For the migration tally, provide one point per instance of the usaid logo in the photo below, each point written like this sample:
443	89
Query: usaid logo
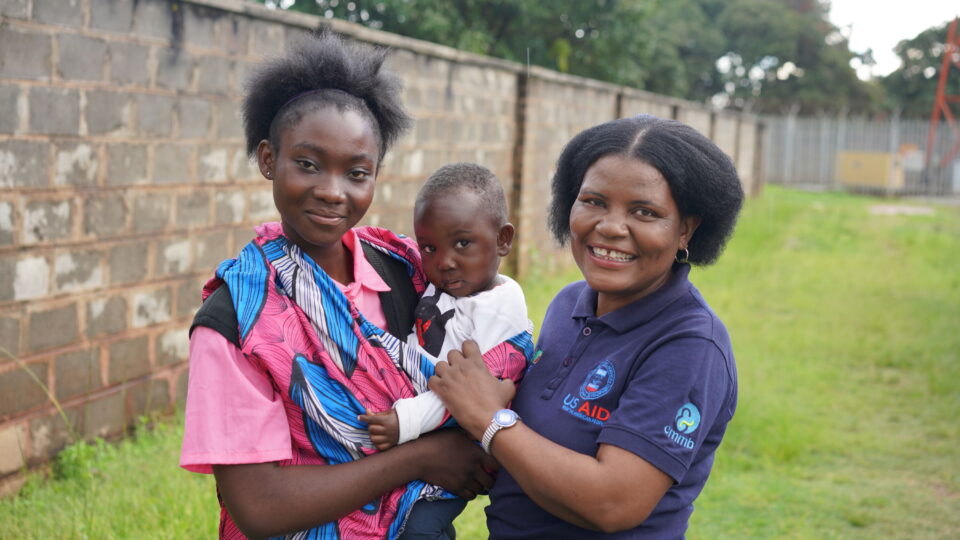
595	385
599	381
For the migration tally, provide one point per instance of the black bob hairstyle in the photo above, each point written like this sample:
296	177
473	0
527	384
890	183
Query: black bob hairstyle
321	71
702	179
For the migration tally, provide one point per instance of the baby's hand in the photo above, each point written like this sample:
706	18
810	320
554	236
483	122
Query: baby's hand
384	428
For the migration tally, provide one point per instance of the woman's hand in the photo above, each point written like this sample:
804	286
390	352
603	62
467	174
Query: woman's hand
468	390
612	491
267	500
456	463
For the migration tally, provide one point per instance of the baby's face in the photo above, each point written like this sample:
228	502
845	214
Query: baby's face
459	242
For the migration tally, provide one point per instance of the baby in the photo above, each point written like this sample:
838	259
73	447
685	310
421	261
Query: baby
460	221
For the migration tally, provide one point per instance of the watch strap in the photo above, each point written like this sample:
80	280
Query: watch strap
492	430
495	427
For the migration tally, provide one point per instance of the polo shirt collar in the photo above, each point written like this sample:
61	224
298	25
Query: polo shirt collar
363	272
639	312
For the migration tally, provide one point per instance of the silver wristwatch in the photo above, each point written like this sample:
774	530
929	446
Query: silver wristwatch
502	419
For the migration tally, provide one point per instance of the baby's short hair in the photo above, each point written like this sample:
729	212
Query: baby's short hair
472	176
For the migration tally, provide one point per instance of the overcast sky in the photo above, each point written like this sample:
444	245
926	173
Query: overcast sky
880	25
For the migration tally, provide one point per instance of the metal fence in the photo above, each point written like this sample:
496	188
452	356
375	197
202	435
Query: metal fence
805	152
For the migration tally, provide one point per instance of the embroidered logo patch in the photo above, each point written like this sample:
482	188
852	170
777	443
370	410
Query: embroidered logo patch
599	381
688	419
595	385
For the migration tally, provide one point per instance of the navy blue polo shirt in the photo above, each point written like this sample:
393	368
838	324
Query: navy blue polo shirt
656	378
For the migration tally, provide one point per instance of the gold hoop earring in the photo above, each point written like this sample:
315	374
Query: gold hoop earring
686	256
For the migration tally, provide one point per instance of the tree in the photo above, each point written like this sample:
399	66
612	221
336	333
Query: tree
912	88
785	55
660	45
764	55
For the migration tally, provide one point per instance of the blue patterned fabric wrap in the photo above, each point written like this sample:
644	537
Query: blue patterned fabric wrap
246	276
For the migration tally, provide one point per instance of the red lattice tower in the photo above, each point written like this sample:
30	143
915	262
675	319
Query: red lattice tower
941	104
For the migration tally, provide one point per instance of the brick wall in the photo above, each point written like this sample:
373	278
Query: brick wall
550	121
464	111
123	182
634	102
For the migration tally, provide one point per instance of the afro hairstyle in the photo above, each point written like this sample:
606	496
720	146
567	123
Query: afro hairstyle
318	71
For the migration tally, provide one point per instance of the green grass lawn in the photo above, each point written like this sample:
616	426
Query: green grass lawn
846	329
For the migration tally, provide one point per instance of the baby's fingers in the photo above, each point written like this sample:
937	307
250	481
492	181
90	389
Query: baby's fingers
371	419
377	430
382	442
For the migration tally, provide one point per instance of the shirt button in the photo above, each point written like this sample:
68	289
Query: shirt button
586	331
566	361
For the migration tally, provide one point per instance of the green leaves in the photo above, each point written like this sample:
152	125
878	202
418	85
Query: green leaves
913	87
762	55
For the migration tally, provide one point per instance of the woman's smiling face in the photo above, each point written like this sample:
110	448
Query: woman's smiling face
625	230
323	174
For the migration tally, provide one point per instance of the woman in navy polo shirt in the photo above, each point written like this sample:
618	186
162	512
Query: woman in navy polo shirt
613	431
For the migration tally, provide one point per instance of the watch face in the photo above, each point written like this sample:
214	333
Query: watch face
505	417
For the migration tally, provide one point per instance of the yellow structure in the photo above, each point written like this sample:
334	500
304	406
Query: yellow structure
871	170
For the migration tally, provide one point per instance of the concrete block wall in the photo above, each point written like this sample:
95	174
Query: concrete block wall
634	102
699	118
555	109
464	111
123	182
725	132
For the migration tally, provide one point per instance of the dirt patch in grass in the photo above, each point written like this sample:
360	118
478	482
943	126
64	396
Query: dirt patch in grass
900	210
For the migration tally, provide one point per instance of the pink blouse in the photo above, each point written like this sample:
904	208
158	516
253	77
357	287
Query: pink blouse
233	414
